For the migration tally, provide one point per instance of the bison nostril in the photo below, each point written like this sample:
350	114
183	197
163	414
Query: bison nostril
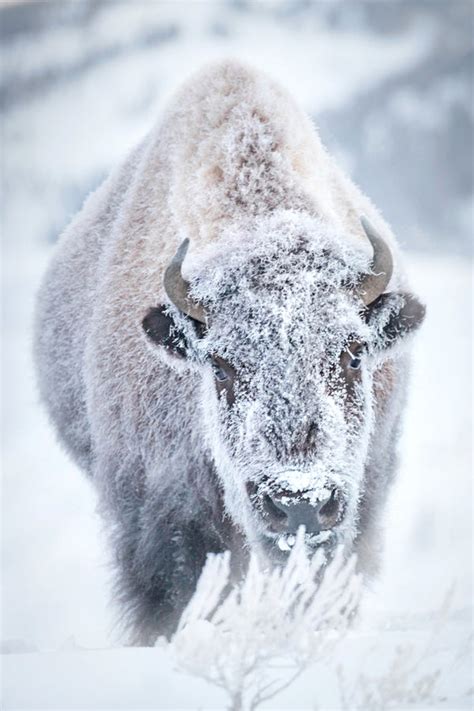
292	514
274	511
286	513
331	511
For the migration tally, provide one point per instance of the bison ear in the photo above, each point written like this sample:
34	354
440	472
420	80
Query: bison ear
394	316
162	330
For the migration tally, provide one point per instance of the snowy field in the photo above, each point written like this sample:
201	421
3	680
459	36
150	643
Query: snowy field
80	86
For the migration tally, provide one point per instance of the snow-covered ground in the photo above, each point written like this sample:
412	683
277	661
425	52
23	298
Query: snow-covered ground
147	679
78	94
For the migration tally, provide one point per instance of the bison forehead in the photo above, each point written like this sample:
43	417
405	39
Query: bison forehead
276	252
278	279
298	323
297	329
279	289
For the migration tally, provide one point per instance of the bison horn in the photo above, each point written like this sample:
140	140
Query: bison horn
177	288
381	268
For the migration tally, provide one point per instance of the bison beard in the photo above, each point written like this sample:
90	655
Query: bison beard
221	399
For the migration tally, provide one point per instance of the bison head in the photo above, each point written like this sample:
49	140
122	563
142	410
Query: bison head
287	322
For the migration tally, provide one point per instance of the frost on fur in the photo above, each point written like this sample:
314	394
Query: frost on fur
185	461
254	639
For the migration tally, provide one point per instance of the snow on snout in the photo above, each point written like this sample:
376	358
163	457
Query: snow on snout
305	484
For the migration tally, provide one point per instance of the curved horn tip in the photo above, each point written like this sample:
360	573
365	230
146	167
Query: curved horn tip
381	249
176	262
181	251
364	220
177	288
382	263
368	228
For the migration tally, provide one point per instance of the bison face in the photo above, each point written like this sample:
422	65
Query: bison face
287	347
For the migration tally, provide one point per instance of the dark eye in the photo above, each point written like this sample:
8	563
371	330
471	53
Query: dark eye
356	357
355	362
219	373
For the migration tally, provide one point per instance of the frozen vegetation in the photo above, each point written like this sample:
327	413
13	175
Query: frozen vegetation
77	94
256	639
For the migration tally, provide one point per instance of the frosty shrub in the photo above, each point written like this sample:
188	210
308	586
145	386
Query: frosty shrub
255	638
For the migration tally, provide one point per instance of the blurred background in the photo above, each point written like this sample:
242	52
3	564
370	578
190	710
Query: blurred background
390	86
388	83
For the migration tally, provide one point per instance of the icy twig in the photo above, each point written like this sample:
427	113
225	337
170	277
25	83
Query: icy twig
255	639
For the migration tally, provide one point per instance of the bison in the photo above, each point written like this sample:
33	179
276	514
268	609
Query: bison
222	346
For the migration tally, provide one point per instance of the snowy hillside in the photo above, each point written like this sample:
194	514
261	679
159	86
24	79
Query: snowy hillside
392	92
390	85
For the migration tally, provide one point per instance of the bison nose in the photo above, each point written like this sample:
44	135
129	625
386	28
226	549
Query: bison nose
287	513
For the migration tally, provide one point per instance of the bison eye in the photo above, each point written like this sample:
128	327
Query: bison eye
355	353
355	362
219	373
